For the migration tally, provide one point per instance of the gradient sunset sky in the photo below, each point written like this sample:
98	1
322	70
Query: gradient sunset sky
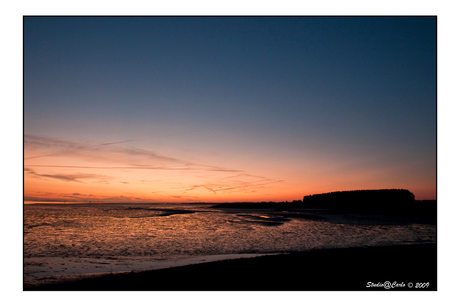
188	109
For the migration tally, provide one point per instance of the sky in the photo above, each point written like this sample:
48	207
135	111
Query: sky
216	109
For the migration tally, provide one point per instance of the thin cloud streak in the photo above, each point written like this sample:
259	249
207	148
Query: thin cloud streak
142	167
119	142
95	151
235	186
68	177
79	149
85	198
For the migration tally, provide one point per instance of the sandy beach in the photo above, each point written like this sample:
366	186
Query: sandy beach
389	268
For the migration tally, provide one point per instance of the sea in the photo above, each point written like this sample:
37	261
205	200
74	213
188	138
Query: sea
69	241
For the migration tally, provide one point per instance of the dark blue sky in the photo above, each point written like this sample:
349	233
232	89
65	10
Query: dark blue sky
305	92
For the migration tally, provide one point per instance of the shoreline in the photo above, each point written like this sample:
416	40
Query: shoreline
356	269
84	268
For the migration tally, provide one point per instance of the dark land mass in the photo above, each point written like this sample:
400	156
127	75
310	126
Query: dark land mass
390	201
407	268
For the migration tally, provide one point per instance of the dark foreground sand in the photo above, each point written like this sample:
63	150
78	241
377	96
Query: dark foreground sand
404	268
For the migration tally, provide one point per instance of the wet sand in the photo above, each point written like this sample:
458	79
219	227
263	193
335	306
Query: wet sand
406	268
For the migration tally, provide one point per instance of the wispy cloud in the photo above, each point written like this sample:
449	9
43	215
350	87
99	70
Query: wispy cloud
115	154
119	142
56	147
86	198
195	167
194	187
237	183
77	177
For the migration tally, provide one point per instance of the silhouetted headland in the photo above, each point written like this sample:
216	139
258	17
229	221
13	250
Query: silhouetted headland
383	201
362	200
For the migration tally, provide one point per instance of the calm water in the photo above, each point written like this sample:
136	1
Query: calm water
62	240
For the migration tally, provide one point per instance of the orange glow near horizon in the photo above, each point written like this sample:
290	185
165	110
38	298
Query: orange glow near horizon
65	171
